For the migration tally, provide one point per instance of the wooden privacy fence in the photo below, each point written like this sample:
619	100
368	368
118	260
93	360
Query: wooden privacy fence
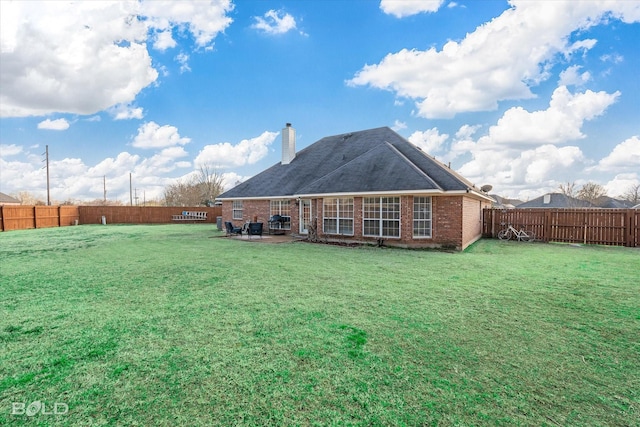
18	217
141	214
23	217
618	227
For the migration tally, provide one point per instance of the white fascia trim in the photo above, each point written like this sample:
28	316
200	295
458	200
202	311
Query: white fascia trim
433	192
470	192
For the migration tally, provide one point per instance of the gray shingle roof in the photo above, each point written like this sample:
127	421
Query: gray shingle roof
5	198
365	161
556	200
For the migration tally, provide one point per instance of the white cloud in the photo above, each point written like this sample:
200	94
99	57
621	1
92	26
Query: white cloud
398	125
126	112
624	156
7	150
152	135
275	22
84	57
526	150
231	179
430	140
247	151
614	58
500	60
163	162
561	122
123	163
621	183
163	40
72	179
58	124
509	169
183	59
402	8
203	19
572	77
71	57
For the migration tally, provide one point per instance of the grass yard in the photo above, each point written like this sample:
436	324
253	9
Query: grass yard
171	326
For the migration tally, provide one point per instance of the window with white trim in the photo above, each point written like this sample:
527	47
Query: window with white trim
282	208
422	217
337	216
381	216
237	209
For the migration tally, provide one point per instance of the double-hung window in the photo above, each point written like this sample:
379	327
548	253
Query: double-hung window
381	216
422	217
237	209
337	216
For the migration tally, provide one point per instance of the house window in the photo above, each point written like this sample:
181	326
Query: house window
381	216
281	207
237	209
338	216
422	217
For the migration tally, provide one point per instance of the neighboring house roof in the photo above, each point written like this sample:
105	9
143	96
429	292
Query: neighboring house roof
556	200
504	202
636	206
611	203
5	199
374	160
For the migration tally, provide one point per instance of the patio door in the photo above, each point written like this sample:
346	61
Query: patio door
305	215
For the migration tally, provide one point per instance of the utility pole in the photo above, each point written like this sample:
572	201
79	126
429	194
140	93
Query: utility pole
46	159
104	186
130	191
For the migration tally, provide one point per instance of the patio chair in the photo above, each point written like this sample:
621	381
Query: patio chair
231	230
254	229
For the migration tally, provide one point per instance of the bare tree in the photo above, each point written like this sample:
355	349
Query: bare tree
592	193
200	189
27	198
183	193
633	194
569	190
210	183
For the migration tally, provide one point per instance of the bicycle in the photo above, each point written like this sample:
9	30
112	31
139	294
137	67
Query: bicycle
521	235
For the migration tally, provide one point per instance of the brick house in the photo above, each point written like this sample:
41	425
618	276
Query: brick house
371	186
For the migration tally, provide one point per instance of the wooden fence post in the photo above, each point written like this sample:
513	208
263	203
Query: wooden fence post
629	238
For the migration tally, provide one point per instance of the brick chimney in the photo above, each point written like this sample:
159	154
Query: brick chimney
288	144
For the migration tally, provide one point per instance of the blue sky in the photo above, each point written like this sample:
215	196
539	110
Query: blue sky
521	95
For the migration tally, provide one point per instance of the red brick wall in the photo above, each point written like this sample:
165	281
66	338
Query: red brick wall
472	220
257	210
447	220
457	220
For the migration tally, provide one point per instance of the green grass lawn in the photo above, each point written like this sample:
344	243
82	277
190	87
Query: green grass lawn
174	325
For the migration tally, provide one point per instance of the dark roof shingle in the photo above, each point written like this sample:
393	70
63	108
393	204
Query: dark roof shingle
365	161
